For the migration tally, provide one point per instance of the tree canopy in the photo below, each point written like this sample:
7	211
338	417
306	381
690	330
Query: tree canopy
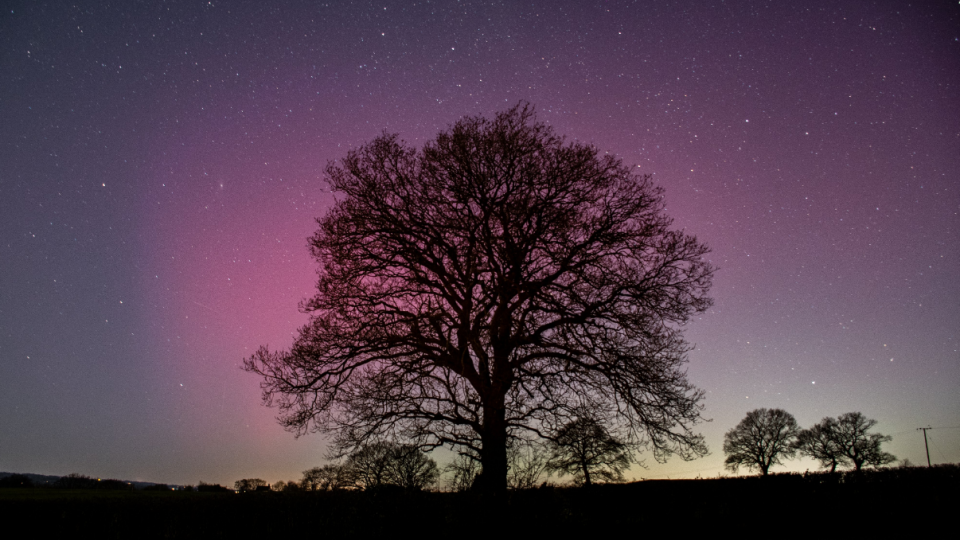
329	477
485	288
859	447
761	440
389	464
845	441
584	449
819	442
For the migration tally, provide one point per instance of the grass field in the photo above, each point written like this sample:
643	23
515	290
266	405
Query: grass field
919	498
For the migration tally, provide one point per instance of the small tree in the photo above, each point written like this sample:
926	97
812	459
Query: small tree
761	440
820	443
370	464
292	486
389	464
312	479
858	446
411	469
330	477
526	463
465	470
287	487
584	449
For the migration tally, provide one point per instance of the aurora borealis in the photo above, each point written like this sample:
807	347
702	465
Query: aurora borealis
161	168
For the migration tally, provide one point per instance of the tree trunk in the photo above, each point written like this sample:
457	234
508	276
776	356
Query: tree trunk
493	455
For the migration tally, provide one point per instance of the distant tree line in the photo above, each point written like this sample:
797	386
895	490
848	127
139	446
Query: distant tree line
582	449
16	481
766	437
70	481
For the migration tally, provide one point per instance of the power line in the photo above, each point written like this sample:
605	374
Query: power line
938	449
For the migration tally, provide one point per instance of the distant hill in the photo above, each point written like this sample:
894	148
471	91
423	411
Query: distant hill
46	479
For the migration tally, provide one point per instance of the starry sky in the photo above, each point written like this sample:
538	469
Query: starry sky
161	169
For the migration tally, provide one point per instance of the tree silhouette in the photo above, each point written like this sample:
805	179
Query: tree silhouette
388	464
856	445
329	477
820	443
369	465
464	470
411	469
761	440
75	481
485	288
845	441
584	449
526	463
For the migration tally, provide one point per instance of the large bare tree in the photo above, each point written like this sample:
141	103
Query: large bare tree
856	445
485	288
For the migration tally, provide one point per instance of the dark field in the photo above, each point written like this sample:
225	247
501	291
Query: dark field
918	498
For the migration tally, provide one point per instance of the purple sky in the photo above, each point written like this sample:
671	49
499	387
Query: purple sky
161	168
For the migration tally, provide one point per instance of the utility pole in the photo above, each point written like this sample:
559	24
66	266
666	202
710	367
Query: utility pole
924	429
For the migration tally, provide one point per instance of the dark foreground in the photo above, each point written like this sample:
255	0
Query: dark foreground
918	498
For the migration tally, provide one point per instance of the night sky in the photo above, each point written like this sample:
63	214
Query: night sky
161	169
